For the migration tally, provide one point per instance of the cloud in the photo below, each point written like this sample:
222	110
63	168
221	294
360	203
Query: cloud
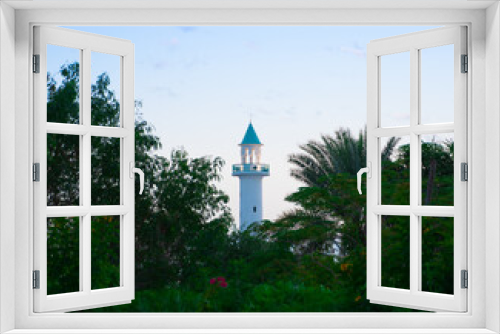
399	116
168	91
354	50
194	61
172	42
251	45
160	64
188	29
271	95
291	111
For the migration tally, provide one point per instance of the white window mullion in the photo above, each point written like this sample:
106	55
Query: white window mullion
101	131
127	118
373	183
414	170
86	171
434	128
79	130
402	210
81	227
78	211
85	265
417	129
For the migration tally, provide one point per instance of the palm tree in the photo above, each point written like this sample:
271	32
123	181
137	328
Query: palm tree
329	211
341	153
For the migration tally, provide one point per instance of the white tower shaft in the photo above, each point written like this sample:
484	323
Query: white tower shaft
250	200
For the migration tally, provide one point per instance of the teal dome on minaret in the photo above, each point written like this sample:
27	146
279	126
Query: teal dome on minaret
250	137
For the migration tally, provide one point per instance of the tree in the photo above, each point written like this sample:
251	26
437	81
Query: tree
330	214
328	206
188	207
341	153
180	203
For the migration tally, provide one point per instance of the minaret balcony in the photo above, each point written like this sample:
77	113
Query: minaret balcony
251	169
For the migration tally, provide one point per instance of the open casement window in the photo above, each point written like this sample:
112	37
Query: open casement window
416	198
83	170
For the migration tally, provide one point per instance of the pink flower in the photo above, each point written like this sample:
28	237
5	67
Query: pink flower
221	279
212	281
223	284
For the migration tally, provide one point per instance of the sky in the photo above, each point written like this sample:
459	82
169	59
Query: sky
200	87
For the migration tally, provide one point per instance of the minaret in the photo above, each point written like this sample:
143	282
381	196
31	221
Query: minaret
250	172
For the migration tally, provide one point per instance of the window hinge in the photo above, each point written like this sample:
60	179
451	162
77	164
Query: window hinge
36	279
465	64
36	172
464	279
464	171
36	63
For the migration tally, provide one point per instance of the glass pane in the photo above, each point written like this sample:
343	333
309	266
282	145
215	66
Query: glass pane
437	254
105	171
105	70
105	252
396	251
395	90
437	169
437	84
63	255
63	170
63	84
395	170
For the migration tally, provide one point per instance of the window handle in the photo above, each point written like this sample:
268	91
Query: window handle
133	171
368	171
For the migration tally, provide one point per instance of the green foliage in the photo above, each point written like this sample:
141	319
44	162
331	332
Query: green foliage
63	170
187	208
180	210
63	255
395	189
330	214
437	252
437	173
396	251
105	255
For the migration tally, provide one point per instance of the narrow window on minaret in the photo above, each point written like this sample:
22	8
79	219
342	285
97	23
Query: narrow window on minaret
254	209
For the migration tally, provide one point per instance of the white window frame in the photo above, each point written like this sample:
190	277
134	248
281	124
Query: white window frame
483	314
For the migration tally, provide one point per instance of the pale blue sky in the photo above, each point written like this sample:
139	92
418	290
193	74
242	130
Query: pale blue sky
200	85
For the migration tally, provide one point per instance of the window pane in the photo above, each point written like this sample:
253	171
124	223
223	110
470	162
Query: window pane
395	170
395	90
63	84
63	170
105	171
63	255
396	251
437	254
105	252
437	84
437	169
105	89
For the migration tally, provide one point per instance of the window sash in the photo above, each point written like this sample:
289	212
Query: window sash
414	298
86	297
